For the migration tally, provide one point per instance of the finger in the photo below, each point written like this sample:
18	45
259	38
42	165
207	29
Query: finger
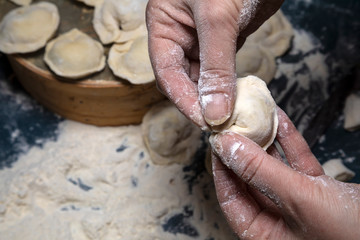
295	147
171	69
217	34
272	151
256	168
240	209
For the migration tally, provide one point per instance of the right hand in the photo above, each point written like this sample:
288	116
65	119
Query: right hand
192	46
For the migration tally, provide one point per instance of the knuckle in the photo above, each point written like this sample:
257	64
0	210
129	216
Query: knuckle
251	167
216	80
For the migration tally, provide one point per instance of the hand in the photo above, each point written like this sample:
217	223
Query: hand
192	46
263	198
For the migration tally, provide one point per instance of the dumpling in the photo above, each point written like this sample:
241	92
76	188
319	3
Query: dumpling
253	59
168	135
27	29
254	114
120	20
131	61
74	55
91	3
21	2
275	34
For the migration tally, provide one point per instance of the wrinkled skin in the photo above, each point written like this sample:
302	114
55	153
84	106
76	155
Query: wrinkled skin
263	198
192	46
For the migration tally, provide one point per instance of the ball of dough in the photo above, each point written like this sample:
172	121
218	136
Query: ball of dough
168	135
27	29
74	54
254	114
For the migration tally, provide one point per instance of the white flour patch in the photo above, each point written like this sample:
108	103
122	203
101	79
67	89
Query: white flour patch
99	183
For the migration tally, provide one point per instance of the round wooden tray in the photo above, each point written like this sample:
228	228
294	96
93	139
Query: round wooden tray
98	102
100	99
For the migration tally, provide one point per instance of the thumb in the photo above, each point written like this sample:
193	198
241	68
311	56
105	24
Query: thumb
217	35
256	168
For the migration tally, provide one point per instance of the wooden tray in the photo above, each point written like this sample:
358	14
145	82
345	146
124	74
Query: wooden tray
101	99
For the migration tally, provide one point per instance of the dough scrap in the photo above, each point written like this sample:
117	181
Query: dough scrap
352	112
168	135
254	59
336	169
91	3
120	20
22	2
74	55
131	61
254	114
27	29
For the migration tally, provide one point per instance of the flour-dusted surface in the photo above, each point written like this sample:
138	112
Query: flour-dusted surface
99	183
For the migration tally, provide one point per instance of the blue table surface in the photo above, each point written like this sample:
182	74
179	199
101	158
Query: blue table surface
24	123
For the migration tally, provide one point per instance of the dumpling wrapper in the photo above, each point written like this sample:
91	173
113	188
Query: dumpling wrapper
131	61
74	55
27	29
91	3
255	60
254	114
21	2
275	34
169	136
120	20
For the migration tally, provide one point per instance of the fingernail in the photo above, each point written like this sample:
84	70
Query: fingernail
216	108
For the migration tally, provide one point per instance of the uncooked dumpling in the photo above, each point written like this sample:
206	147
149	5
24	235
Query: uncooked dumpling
257	56
91	3
74	55
131	61
21	2
275	34
120	20
253	59
168	135
352	112
27	29
254	114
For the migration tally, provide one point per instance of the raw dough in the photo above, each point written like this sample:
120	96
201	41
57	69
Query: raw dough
27	29
254	113
91	3
74	54
168	135
275	34
120	20
257	56
253	59
336	169
352	112
21	2
131	61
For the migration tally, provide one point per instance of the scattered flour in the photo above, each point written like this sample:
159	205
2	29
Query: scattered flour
99	183
309	74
